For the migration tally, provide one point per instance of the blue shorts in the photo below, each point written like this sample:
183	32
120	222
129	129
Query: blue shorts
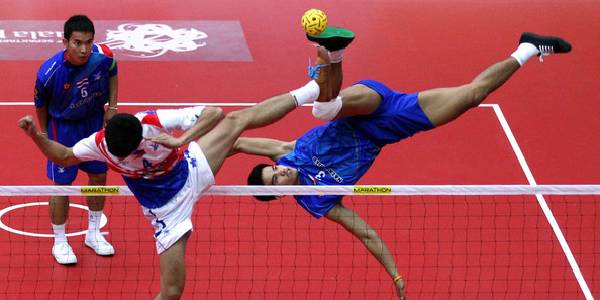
398	116
68	133
318	206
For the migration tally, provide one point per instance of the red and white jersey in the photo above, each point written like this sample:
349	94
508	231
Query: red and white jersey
149	159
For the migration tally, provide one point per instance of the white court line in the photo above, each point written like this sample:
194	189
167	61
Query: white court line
542	202
103	220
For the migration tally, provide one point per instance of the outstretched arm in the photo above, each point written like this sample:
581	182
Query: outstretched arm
352	222
207	120
271	148
54	151
113	90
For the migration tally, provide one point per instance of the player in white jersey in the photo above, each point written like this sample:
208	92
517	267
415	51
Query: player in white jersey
164	180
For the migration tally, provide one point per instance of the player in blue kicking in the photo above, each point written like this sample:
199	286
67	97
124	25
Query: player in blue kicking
71	90
364	118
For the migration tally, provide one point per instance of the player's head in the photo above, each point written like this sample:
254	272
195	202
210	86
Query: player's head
263	174
123	134
78	39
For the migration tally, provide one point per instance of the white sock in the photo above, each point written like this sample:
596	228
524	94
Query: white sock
306	94
94	221
524	52
336	56
59	233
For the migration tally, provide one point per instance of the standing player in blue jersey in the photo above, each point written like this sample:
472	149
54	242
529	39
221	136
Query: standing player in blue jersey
365	117
71	90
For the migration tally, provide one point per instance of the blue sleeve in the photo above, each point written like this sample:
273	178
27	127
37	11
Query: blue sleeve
41	96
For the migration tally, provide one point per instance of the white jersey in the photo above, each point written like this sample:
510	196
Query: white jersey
149	159
154	173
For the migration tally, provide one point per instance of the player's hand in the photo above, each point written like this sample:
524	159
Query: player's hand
400	289
28	125
166	140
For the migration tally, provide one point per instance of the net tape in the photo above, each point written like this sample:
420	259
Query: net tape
241	190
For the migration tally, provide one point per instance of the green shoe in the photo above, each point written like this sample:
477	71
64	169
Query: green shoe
332	38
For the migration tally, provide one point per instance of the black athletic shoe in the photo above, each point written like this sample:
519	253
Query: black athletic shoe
332	38
546	44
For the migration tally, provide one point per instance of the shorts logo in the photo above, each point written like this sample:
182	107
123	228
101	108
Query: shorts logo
97	76
372	190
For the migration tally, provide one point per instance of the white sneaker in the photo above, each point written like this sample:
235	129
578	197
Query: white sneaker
63	253
99	244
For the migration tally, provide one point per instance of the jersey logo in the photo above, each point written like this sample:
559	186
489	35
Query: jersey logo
97	76
67	86
82	83
330	171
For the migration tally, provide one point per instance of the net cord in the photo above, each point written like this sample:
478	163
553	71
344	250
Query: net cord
241	190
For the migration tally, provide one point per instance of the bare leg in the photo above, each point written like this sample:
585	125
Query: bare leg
218	142
58	208
446	104
172	270
337	76
327	82
358	100
96	203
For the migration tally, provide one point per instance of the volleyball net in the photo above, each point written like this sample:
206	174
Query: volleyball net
449	242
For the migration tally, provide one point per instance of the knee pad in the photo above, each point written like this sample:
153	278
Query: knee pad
327	111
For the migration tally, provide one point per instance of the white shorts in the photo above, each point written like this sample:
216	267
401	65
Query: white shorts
172	220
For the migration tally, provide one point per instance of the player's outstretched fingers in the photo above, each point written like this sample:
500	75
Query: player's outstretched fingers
399	282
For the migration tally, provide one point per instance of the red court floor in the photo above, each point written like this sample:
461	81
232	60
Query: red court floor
448	248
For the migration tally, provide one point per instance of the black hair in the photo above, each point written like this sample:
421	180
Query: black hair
78	23
255	178
123	134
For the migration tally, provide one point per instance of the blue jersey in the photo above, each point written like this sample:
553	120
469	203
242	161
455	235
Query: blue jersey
341	152
333	154
75	92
